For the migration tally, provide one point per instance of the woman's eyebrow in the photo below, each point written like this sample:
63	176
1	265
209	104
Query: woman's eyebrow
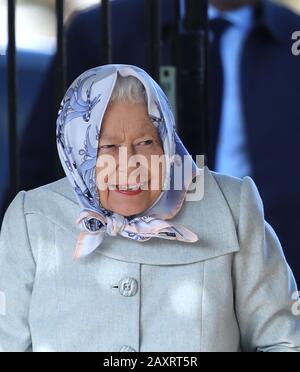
145	135
115	139
108	138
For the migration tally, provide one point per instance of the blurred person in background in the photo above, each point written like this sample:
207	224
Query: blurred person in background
255	120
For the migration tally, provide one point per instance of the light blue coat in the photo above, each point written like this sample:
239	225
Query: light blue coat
230	291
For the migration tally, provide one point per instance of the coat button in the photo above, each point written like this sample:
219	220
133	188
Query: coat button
128	287
127	349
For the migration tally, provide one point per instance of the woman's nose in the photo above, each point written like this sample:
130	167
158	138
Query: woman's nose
130	150
127	151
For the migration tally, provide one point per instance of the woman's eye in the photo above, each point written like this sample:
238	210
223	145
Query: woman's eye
106	147
145	143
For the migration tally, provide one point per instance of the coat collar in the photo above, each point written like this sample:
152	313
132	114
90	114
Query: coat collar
210	218
279	21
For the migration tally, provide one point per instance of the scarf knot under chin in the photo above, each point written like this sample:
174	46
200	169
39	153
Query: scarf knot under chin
115	224
94	227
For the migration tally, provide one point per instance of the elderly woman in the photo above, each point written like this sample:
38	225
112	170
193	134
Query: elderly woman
114	257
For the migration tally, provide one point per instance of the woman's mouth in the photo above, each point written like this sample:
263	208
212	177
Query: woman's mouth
129	190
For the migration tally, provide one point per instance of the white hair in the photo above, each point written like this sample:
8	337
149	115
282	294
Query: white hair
129	88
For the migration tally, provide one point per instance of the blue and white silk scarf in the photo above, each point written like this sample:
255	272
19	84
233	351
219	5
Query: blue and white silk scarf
78	132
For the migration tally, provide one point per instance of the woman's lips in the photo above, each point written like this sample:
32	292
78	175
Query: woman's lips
137	189
129	193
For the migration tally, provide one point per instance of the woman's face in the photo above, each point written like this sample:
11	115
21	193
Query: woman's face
129	187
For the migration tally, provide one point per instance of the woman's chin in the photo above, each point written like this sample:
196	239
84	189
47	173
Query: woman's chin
127	212
128	205
124	207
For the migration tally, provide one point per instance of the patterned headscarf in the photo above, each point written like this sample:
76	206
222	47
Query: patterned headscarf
78	133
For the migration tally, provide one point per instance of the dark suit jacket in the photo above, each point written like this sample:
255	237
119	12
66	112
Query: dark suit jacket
270	82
